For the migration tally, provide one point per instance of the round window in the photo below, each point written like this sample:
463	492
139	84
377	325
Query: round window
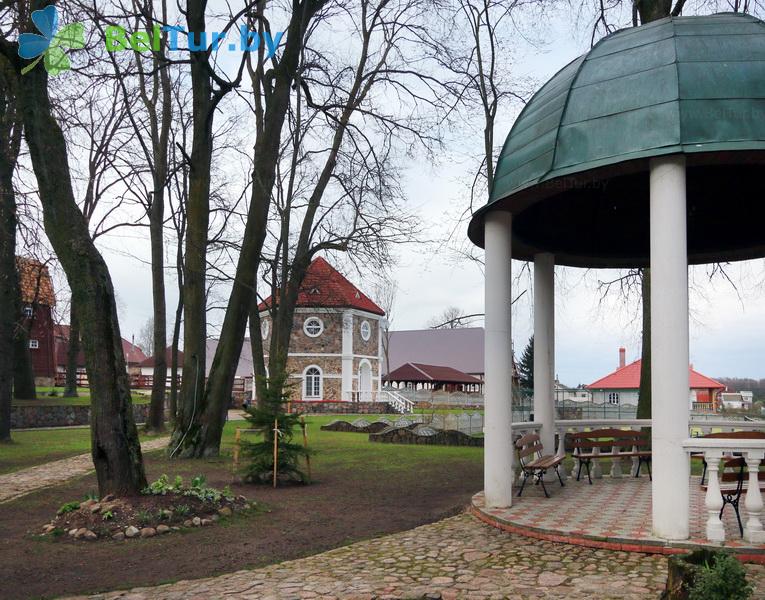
366	330
264	328
313	326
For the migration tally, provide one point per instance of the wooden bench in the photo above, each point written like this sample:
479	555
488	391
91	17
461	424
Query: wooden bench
533	463
589	445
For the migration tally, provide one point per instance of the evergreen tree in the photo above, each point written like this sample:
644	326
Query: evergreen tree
268	414
526	365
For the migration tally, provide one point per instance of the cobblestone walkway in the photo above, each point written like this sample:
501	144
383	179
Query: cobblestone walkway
14	485
455	558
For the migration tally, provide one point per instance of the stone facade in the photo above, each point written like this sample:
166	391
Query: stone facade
29	417
344	408
347	361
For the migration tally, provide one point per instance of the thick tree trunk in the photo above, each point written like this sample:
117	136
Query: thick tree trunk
644	395
186	435
653	10
115	447
266	155
8	286
72	352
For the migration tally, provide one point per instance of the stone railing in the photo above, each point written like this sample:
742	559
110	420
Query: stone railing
714	449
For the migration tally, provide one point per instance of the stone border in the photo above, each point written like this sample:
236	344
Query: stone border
60	415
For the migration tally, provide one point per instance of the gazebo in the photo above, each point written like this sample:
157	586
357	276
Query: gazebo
647	151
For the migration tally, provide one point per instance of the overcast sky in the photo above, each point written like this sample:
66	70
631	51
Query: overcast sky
726	330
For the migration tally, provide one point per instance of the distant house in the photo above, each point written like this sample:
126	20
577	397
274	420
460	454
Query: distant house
737	400
460	349
134	356
38	300
335	343
146	366
431	377
623	386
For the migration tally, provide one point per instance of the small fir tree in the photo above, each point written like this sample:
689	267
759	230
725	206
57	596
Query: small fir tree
271	409
526	366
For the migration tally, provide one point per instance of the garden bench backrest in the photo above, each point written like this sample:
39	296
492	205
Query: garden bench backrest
529	448
609	438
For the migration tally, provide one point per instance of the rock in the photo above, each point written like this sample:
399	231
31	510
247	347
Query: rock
550	579
88	503
48	528
225	512
95	508
90	535
175	528
72	532
119	536
475	555
132	532
206	522
196	521
80	533
162	529
148	532
215	517
107	498
187	523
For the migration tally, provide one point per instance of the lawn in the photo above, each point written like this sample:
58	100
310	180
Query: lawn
33	447
360	490
52	396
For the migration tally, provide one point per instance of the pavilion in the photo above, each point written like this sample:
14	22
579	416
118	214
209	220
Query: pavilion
647	151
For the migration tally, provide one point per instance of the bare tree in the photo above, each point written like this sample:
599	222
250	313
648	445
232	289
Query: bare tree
115	447
451	318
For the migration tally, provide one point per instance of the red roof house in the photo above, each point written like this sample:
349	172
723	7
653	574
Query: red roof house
133	354
38	299
324	286
624	383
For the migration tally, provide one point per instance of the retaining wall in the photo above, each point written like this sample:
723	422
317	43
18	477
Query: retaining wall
28	417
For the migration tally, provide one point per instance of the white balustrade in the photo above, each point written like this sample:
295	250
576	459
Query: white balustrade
714	449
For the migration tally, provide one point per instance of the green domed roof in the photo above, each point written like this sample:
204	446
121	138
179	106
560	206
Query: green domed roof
693	85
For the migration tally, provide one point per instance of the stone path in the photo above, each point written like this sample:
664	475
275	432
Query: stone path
19	483
455	558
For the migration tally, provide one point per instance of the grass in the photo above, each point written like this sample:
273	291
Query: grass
35	447
44	398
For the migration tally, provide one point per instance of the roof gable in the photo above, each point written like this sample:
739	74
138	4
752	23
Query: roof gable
35	282
324	287
628	378
435	373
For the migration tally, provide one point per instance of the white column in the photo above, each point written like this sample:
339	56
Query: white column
347	358
544	348
669	347
498	357
753	531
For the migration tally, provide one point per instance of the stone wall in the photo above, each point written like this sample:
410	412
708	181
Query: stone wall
343	408
28	417
409	435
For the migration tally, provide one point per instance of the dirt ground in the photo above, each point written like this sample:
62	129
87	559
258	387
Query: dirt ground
343	506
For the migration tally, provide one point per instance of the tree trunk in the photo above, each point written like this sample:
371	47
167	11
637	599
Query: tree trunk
653	10
644	395
23	374
8	278
186	435
72	352
156	419
115	447
266	156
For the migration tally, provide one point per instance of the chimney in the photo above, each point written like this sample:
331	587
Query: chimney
622	356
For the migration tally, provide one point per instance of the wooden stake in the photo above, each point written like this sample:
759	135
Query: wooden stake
305	445
237	440
276	446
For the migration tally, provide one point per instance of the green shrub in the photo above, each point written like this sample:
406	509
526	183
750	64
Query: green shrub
68	507
722	578
182	510
144	517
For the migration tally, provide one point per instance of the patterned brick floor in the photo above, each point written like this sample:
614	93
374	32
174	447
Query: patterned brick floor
609	509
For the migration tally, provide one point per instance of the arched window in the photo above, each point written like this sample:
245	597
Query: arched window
366	330
312	383
313	326
265	327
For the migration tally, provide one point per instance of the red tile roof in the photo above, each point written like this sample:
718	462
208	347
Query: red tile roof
149	362
628	378
133	354
418	372
35	282
323	286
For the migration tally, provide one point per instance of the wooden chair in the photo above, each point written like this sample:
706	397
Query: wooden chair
533	463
